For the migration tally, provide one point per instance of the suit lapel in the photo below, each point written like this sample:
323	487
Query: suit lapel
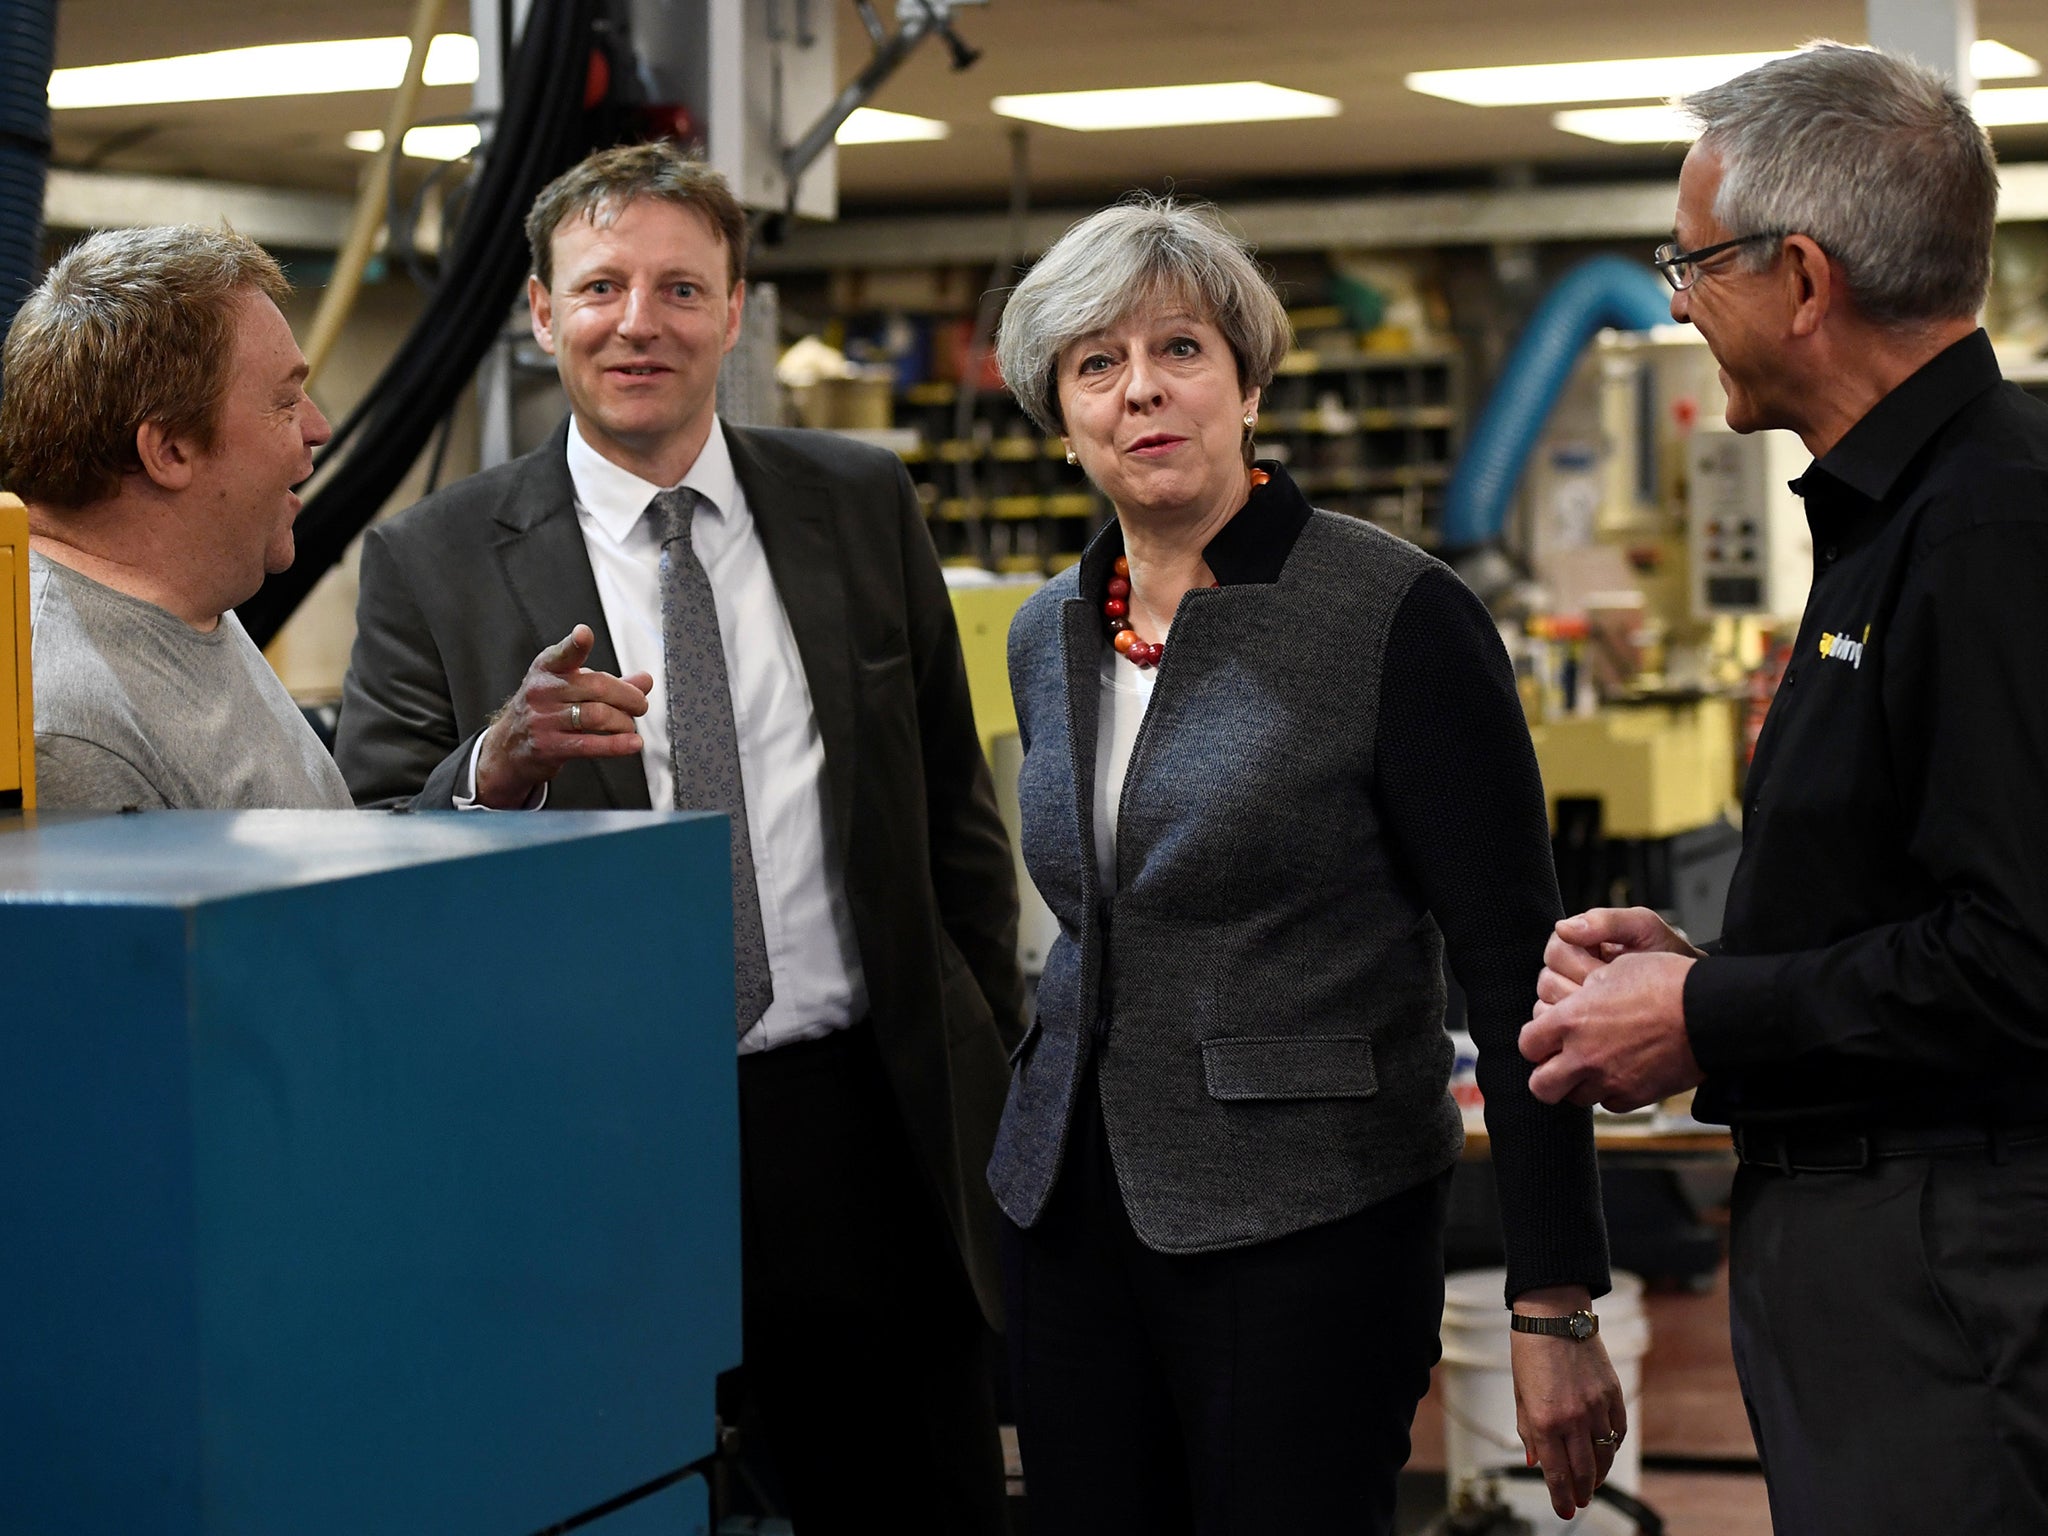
540	546
793	515
1080	654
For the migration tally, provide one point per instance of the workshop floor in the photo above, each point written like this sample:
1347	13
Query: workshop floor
1691	1411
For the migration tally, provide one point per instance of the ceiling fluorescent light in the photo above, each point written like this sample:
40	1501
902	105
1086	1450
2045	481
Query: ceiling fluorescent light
2011	107
1166	106
2007	108
436	141
871	125
1530	85
1994	61
279	69
1628	125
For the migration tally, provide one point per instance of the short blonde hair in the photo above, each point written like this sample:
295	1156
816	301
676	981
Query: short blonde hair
129	326
1111	263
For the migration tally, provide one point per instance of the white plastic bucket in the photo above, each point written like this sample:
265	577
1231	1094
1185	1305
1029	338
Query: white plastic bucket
1478	1390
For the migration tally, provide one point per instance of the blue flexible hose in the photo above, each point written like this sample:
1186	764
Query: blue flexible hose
1605	292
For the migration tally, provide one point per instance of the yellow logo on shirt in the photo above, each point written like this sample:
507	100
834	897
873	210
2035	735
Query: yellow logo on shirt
1842	648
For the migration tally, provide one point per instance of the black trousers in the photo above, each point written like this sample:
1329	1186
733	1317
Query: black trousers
1891	1334
1261	1389
867	1358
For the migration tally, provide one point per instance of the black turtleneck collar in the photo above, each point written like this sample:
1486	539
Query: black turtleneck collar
1251	547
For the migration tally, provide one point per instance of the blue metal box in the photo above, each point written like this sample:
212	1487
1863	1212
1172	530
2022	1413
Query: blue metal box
361	1172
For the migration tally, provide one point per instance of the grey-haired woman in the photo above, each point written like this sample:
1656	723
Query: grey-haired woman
1275	771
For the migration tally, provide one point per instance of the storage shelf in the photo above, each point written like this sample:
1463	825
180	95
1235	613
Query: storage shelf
1301	361
1008	450
1371	434
1346	423
1318	481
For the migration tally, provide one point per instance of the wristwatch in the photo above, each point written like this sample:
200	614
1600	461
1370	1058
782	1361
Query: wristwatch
1573	1325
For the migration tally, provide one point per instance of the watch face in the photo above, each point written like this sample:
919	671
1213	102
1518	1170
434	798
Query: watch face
1582	1326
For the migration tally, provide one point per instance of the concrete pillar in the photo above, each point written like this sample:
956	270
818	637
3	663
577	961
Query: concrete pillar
496	432
747	396
1938	33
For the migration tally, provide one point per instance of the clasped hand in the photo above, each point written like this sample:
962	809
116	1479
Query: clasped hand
561	711
1609	1024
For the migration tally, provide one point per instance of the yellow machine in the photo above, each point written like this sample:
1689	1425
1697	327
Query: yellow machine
1657	769
1678	551
984	614
17	691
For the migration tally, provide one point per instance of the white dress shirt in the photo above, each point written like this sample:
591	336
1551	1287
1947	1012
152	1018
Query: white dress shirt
1126	695
812	953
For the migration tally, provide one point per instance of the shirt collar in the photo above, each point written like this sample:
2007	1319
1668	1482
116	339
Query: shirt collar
616	498
1251	547
1874	453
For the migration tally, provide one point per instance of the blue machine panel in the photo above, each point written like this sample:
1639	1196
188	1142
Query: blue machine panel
361	1173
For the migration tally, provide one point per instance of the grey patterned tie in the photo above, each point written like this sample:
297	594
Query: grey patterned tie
704	749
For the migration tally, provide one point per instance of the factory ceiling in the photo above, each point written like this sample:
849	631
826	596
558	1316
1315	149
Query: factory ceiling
1354	50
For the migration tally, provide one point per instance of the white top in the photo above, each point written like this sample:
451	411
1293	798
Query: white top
812	952
1126	695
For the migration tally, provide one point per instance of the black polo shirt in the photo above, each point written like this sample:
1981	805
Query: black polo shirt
1885	953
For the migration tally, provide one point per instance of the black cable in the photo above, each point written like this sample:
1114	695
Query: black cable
537	82
630	1497
452	203
28	33
542	131
402	216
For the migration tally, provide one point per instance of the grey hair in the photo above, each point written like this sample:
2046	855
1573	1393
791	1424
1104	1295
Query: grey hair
1875	158
1119	259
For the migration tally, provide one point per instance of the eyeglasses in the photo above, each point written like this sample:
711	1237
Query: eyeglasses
1681	268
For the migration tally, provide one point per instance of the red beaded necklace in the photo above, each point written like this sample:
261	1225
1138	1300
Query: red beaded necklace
1117	609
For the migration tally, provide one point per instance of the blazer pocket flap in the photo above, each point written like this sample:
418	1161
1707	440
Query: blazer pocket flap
1290	1067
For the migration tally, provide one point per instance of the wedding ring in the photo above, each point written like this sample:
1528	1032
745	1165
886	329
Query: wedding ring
1607	1439
576	717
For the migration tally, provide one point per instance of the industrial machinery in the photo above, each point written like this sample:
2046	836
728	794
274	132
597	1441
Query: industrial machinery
1751	550
1664	557
322	1217
1667	552
983	606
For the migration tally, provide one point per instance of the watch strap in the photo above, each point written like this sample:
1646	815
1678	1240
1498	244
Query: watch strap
1573	1325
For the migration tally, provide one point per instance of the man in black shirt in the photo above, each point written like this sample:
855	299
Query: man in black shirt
1874	1021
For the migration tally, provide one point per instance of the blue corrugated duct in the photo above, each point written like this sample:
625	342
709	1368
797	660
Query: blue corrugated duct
28	45
1606	292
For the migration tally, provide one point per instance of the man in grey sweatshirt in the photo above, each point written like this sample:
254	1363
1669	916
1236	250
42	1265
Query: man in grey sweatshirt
155	422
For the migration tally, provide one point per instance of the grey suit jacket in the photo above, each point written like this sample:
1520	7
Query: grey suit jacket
459	594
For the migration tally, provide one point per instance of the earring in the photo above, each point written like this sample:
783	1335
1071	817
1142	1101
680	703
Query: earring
1249	418
1072	457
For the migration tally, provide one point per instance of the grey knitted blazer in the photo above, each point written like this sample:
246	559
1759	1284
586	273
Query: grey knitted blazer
1264	995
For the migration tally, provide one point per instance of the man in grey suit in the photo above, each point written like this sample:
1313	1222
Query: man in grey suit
658	609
